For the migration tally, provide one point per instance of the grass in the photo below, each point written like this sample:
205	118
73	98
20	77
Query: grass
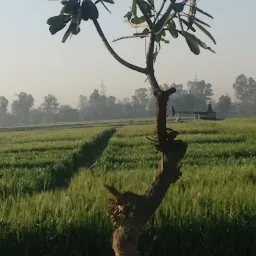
211	210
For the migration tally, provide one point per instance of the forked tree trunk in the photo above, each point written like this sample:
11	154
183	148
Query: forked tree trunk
129	212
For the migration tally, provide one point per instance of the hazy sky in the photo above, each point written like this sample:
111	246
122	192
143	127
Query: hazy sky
35	62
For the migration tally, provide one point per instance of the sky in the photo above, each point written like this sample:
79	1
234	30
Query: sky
34	61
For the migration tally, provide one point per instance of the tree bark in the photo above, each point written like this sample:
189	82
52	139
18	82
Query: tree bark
129	212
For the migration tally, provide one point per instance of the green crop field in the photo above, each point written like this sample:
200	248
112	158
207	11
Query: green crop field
52	203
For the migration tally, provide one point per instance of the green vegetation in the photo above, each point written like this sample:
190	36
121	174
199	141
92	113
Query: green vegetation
40	160
211	210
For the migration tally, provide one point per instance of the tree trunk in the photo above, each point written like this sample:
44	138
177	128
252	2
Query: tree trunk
129	212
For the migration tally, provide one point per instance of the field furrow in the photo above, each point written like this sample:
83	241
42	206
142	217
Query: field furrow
32	166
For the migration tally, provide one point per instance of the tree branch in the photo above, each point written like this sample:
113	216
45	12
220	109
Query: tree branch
114	54
132	36
150	66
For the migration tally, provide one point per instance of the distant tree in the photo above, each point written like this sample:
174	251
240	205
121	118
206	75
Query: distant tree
189	102
83	102
130	212
37	116
201	89
127	109
50	107
96	108
22	106
3	109
68	114
3	105
83	105
111	100
224	103
140	101
179	90
95	97
245	89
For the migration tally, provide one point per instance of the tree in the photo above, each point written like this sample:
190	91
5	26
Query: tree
111	100
83	102
179	90
3	105
37	116
3	109
83	106
224	104
22	106
95	97
245	89
129	212
50	107
140	101
201	89
68	114
189	102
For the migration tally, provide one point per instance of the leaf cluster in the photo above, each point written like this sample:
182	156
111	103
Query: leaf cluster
164	21
73	12
171	18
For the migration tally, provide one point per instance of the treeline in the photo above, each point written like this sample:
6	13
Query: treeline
140	105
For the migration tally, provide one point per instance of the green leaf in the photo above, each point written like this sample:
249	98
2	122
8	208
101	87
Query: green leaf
146	6
196	19
174	33
104	5
178	7
171	24
194	38
85	11
152	3
205	31
58	20
191	41
57	23
160	37
134	8
54	29
70	6
128	15
93	11
107	1
67	34
203	12
145	31
172	29
203	45
163	21
187	24
137	20
193	46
